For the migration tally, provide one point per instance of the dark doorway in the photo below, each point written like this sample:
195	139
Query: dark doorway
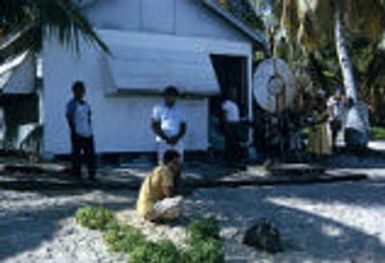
231	72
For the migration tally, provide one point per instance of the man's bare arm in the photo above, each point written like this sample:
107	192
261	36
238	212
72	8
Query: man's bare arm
155	125
71	123
182	131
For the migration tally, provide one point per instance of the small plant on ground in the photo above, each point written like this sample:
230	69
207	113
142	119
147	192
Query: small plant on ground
204	244
162	252
208	251
94	217
204	229
123	238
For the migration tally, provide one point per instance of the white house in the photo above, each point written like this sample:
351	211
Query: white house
192	44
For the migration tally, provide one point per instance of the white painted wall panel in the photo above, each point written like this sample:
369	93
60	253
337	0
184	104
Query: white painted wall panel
116	14
158	16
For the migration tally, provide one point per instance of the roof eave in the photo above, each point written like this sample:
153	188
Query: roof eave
253	34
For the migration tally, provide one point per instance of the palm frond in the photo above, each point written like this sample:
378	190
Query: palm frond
64	19
290	19
59	18
365	18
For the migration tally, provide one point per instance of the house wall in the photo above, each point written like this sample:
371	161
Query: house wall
121	122
178	17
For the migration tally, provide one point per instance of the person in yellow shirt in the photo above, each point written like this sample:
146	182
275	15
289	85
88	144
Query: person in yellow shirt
156	201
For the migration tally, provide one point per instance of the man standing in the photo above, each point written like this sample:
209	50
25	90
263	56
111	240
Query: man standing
336	104
155	201
79	121
169	126
231	118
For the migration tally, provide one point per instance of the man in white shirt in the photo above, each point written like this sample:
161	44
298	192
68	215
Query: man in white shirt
169	125
79	121
231	117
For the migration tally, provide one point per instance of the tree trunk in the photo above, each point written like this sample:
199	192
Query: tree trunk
356	125
343	53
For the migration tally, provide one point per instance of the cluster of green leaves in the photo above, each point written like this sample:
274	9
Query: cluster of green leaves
123	238
94	217
162	252
204	240
203	229
378	133
210	251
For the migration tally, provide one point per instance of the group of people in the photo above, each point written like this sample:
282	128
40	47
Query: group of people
157	199
326	121
158	195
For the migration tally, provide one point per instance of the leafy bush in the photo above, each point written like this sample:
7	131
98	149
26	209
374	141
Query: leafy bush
161	252
123	238
204	240
208	251
378	133
205	245
204	229
94	217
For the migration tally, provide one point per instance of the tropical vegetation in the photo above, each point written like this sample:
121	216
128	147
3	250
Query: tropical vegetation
25	23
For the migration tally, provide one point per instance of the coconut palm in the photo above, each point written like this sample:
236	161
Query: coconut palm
311	23
315	23
24	23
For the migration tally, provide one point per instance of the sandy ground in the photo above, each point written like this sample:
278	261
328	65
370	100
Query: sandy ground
341	222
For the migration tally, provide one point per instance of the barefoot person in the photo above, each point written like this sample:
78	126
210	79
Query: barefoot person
156	201
169	126
79	121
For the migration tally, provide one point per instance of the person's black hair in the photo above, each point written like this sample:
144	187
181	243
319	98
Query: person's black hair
171	91
170	155
78	85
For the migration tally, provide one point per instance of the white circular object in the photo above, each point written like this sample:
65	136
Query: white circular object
272	79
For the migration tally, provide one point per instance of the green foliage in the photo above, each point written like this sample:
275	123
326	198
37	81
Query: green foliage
204	244
204	240
123	238
24	24
161	252
378	133
209	251
204	229
94	217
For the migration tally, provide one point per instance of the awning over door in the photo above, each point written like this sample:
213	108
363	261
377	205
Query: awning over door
17	76
146	65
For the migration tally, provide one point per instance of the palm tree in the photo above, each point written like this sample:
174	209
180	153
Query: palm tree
315	23
25	23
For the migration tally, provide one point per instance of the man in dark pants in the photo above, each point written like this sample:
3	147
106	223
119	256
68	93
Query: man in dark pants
79	121
231	118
